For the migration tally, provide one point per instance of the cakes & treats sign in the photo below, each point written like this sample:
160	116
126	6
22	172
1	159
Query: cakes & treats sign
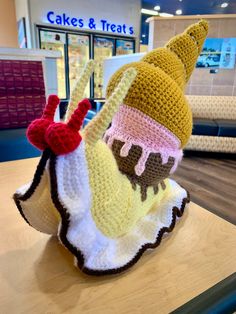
91	23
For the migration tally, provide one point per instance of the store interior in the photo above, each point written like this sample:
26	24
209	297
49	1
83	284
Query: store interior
46	49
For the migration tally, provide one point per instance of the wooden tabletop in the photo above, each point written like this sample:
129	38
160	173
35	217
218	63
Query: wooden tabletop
37	274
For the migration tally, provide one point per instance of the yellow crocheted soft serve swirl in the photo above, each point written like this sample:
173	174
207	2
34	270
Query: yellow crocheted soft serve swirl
161	77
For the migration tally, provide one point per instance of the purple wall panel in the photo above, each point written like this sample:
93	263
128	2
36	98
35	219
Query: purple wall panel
22	92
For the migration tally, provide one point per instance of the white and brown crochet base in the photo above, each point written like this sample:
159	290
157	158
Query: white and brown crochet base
44	206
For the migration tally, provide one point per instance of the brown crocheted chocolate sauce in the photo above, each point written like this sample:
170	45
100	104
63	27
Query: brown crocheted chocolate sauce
155	172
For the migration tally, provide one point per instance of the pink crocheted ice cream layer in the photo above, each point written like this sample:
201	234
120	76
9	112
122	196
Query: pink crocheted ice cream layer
133	127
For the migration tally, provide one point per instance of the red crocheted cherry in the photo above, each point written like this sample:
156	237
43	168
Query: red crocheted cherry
37	128
64	138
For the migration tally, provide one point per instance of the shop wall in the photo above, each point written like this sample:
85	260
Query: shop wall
8	26
202	82
116	12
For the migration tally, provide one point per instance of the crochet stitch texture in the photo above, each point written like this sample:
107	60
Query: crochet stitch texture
110	200
157	89
154	122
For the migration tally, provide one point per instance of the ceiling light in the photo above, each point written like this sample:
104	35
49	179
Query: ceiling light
157	8
149	12
224	5
164	14
180	0
143	35
178	12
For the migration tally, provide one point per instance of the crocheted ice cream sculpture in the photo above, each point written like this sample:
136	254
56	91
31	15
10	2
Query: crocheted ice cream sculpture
154	122
108	203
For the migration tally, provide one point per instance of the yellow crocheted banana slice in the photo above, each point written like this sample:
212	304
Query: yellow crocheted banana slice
78	91
96	128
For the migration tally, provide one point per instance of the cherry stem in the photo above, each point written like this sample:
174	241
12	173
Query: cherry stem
51	106
79	114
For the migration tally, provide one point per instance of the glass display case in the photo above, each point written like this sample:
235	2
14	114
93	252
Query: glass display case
103	48
78	55
51	40
124	47
76	49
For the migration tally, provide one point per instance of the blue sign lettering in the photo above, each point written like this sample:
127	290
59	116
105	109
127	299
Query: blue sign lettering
124	28
66	20
131	30
81	22
74	21
113	28
50	13
91	24
58	20
103	24
119	29
106	26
